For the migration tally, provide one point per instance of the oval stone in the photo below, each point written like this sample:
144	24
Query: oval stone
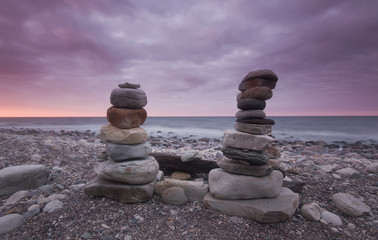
263	73
126	118
263	93
266	121
250	114
128	98
257	82
112	134
251	104
121	152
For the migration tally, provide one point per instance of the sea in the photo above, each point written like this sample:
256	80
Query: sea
328	129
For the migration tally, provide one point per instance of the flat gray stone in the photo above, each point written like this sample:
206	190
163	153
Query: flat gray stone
250	114
175	196
224	185
235	167
250	156
190	155
195	191
52	206
256	129
16	197
251	104
129	85
119	191
122	152
16	178
128	98
141	171
10	222
235	139
109	133
266	210
331	218
350	205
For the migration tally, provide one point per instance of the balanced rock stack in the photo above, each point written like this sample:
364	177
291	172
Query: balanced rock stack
246	185
130	174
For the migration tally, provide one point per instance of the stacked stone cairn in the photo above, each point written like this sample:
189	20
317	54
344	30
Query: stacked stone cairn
130	174
247	184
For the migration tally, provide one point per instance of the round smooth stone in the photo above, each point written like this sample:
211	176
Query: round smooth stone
128	98
263	73
126	118
257	82
250	114
175	196
264	121
112	134
251	104
263	93
256	129
122	152
140	171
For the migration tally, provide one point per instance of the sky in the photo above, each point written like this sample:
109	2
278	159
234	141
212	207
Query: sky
63	58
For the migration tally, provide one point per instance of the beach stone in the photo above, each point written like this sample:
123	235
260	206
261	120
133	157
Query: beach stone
332	218
251	104
119	191
350	205
264	121
190	155
256	129
224	185
52	206
10	222
232	166
129	85
266	210
257	82
263	73
141	171
349	172
31	213
311	211
250	156
23	177
121	152
195	191
181	175
263	93
235	139
57	196
16	197
126	118
174	196
112	134
250	114
47	189
128	98
273	152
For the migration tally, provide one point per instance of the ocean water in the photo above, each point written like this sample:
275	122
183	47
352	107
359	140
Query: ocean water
329	129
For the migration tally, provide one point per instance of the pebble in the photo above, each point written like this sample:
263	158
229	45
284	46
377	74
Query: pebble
52	206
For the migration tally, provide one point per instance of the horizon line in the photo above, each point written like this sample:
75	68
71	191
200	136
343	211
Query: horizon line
193	116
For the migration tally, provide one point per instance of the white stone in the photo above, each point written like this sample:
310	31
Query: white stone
329	217
350	205
10	222
195	191
311	211
52	206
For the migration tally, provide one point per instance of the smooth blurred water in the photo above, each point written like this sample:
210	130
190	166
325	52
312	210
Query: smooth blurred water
329	129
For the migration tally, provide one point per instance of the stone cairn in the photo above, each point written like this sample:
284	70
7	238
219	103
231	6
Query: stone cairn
247	184
130	174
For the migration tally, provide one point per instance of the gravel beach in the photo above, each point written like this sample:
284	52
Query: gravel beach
70	157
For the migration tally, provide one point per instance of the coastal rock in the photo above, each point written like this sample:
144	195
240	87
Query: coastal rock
256	129
225	185
311	211
267	210
190	155
235	167
126	118
195	191
180	175
251	104
250	114
265	121
112	134
141	171
128	98
350	205
235	139
16	197
263	73
129	85
250	156
10	222
349	172
13	179
121	152
263	93
332	218
174	196
119	191
273	152
52	206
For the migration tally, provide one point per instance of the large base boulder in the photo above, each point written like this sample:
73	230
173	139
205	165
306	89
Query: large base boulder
263	210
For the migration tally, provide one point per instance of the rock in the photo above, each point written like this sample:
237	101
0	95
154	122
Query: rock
160	176
276	163
329	217
16	197
36	158
52	206
235	167
31	213
264	121
121	152
10	222
250	156
181	175
112	134
13	179
350	205
190	155
57	196
263	93
129	85
311	211
240	140
296	186
256	129
263	73
224	185
251	104
136	172
42	200
312	150
372	168
126	118
128	98
267	210
174	196
273	152
250	114
77	187
349	172
48	189
328	168
195	191
119	191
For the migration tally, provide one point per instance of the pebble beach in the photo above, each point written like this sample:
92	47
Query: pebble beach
323	169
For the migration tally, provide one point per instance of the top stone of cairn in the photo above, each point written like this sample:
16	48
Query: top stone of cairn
129	85
264	73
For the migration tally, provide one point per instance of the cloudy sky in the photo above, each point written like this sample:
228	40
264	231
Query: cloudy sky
63	58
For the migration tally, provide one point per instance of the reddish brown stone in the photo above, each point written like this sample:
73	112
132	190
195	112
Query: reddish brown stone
263	93
126	118
264	73
264	121
256	82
